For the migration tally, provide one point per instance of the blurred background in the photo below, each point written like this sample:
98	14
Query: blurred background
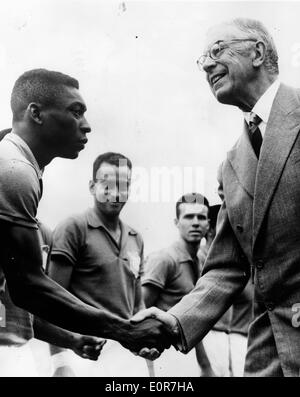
146	98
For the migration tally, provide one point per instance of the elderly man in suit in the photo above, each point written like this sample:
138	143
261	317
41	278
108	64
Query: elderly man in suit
258	230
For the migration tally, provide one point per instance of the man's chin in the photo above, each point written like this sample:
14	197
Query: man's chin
194	239
224	96
74	156
70	155
114	209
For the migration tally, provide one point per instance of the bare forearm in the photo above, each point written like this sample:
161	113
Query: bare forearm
52	334
46	299
32	290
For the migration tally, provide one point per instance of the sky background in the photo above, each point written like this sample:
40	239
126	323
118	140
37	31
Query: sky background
146	98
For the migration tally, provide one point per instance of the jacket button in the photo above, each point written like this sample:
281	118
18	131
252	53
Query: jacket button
260	264
239	228
270	306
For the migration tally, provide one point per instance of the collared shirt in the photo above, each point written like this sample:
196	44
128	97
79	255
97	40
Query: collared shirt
263	106
25	150
172	270
105	274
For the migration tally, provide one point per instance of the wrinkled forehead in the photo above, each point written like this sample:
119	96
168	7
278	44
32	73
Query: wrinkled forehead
110	171
222	32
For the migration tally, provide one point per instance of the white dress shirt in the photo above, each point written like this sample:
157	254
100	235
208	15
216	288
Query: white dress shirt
263	106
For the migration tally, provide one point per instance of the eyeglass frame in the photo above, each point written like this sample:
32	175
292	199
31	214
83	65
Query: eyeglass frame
201	60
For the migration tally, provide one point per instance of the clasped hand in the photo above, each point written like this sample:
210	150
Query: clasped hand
170	334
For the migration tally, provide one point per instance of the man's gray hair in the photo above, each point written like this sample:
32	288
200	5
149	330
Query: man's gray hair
255	29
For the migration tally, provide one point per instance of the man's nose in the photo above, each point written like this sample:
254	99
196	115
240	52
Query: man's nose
196	221
112	196
116	196
208	64
114	191
84	126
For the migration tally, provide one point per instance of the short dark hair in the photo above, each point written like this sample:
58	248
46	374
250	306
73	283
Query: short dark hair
41	86
112	158
191	198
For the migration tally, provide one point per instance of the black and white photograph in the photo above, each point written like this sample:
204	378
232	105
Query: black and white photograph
149	191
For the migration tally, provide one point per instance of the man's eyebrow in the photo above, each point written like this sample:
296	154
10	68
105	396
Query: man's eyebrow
195	214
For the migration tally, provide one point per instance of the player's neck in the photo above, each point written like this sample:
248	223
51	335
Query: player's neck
192	248
41	154
111	222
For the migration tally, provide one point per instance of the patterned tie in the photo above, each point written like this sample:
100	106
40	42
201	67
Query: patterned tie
254	133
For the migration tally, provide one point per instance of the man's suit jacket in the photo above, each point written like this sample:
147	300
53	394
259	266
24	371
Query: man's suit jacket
258	235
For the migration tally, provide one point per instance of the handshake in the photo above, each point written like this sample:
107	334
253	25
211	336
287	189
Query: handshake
150	332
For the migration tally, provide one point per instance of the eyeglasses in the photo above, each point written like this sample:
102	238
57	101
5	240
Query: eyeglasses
216	50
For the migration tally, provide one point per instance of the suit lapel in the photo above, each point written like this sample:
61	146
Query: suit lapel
244	162
281	132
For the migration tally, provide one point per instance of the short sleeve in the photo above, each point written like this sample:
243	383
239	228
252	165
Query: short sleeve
158	269
20	193
46	233
68	239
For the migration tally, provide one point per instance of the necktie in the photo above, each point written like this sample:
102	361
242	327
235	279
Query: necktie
254	133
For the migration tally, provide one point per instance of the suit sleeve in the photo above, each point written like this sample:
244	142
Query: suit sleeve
224	275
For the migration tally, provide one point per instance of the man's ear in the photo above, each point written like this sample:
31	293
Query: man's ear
208	224
34	111
175	221
260	54
92	187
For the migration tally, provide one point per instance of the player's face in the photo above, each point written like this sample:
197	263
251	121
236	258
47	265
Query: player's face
193	222
111	188
65	126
